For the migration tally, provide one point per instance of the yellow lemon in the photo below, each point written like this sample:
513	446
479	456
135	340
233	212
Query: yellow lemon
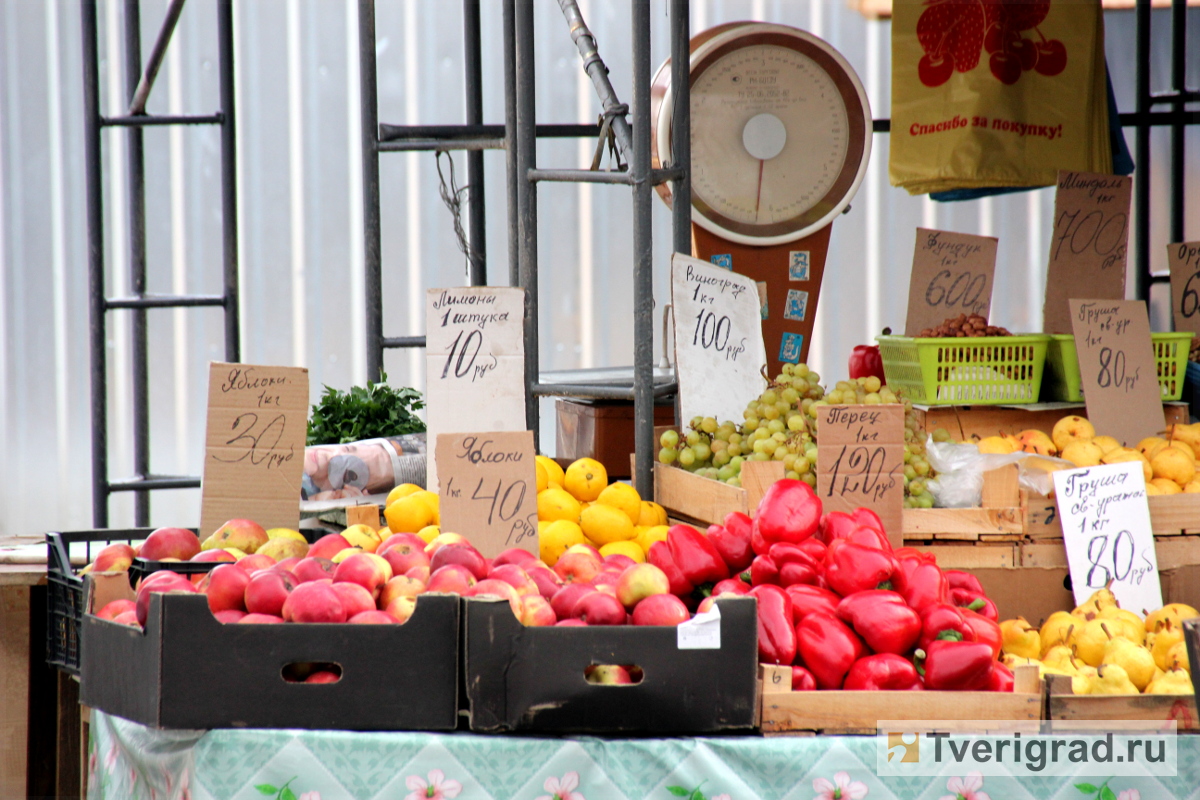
651	514
408	515
649	536
285	533
432	501
603	524
630	549
585	479
429	533
624	497
403	490
540	474
554	473
556	504
557	536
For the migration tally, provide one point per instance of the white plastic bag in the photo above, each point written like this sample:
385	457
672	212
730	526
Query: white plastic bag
960	468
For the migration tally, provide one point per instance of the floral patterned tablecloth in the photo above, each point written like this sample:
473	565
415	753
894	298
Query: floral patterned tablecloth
130	762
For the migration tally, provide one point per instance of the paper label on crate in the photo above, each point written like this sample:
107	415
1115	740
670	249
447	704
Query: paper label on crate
701	632
489	489
1117	368
860	462
254	445
719	350
474	363
951	275
1184	259
1088	245
1107	532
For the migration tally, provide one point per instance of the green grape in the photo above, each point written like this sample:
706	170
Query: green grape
795	423
872	399
804	372
941	435
726	431
686	457
910	472
761	457
760	446
810	479
802	464
718	446
762	433
734	481
872	383
916	487
696	422
736	462
703	451
887	396
795	476
922	468
768	397
779	454
669	438
735	438
692	437
725	473
779	438
776	426
800	385
790	395
751	425
925	501
783	406
770	412
734	450
721	459
708	425
812	377
789	369
667	455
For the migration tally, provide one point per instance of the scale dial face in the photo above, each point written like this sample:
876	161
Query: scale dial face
780	133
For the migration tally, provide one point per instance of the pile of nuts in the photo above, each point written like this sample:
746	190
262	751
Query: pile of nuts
964	326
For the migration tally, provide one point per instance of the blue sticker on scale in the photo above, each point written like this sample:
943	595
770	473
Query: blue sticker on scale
798	265
789	348
797	305
724	261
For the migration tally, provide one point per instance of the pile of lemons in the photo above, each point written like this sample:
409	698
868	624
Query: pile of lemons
411	509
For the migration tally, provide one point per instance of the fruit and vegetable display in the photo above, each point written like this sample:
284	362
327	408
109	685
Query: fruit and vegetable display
964	326
1106	649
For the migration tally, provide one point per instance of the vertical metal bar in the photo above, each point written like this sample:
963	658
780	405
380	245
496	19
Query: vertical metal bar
476	221
97	330
510	140
681	127
369	103
643	261
1178	84
135	188
229	220
1141	198
527	201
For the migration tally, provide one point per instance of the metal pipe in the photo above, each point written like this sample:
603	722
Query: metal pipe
440	145
580	176
681	127
389	132
159	301
1141	183
368	102
594	66
1182	93
643	260
510	138
403	341
476	214
94	210
142	91
150	483
1178	84
177	119
229	219
599	391
135	190
527	201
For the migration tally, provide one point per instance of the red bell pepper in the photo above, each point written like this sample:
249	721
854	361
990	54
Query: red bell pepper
919	580
815	548
776	631
851	567
882	619
764	570
807	599
659	555
803	680
979	603
732	541
789	511
865	361
730	586
695	556
986	630
958	666
883	672
1000	679
944	621
829	648
839	524
795	564
959	579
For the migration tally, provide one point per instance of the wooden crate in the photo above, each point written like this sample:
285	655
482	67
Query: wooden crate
1170	515
965	421
695	499
842	712
1062	704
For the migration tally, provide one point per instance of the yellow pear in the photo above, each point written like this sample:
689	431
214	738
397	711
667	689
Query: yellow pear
1193	487
1164	639
1151	445
1175	681
1177	656
1098	601
1106	443
1122	454
1020	638
1036	442
1184	448
1153	491
996	445
1131	624
1185	433
1062	658
1059	628
1071	428
1112	679
1165	486
1082	453
1081	685
1091	641
1135	660
1176	612
1174	465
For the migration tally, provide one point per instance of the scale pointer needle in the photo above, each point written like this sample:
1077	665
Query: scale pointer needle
762	162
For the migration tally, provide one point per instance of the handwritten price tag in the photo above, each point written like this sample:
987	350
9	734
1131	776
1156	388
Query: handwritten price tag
489	489
474	362
1089	244
951	275
719	351
1117	368
860	462
1107	533
254	445
1184	259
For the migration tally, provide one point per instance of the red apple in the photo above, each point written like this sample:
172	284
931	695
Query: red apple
355	599
400	586
462	554
620	560
587	549
328	546
163	543
259	619
419	573
452	578
314	569
547	582
491	587
163	582
289	563
397	539
244	534
577	567
566	598
111	610
516	577
599	608
606	581
366	569
660	609
252	564
536	611
404	556
114	558
611	674
513	555
437	542
570	623
315	601
639	582
267	591
323	676
401	608
226	587
373	618
127	618
706	604
229	616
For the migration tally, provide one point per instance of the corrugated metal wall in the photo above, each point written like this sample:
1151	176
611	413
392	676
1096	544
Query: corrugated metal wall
300	214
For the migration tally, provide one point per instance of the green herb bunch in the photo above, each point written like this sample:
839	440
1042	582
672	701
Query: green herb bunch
374	411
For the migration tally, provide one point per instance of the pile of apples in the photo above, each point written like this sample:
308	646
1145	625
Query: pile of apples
1106	649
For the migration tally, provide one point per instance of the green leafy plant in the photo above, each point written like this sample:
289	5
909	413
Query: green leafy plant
365	412
279	792
1101	792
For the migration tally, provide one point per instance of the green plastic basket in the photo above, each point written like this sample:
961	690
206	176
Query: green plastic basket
989	370
1062	366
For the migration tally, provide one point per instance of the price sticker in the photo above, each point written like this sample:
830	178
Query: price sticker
474	362
489	489
1184	259
951	275
1089	244
1117	368
719	351
860	462
254	445
701	632
1108	535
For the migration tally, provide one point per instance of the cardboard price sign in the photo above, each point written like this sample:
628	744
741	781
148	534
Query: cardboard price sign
1117	368
719	351
951	275
474	362
1184	259
254	445
1107	533
489	489
860	462
1089	244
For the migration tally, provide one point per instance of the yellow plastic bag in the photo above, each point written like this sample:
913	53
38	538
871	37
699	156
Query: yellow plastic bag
996	93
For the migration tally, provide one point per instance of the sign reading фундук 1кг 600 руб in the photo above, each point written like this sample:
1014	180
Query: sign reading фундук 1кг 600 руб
1080	748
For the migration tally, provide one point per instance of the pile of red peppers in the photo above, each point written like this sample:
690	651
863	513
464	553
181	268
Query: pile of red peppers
837	603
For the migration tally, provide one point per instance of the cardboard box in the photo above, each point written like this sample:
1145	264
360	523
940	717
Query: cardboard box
186	670
531	680
603	430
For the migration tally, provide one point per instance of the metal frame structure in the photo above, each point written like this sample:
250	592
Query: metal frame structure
139	81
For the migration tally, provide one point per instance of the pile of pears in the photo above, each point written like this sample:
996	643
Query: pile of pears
1106	649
